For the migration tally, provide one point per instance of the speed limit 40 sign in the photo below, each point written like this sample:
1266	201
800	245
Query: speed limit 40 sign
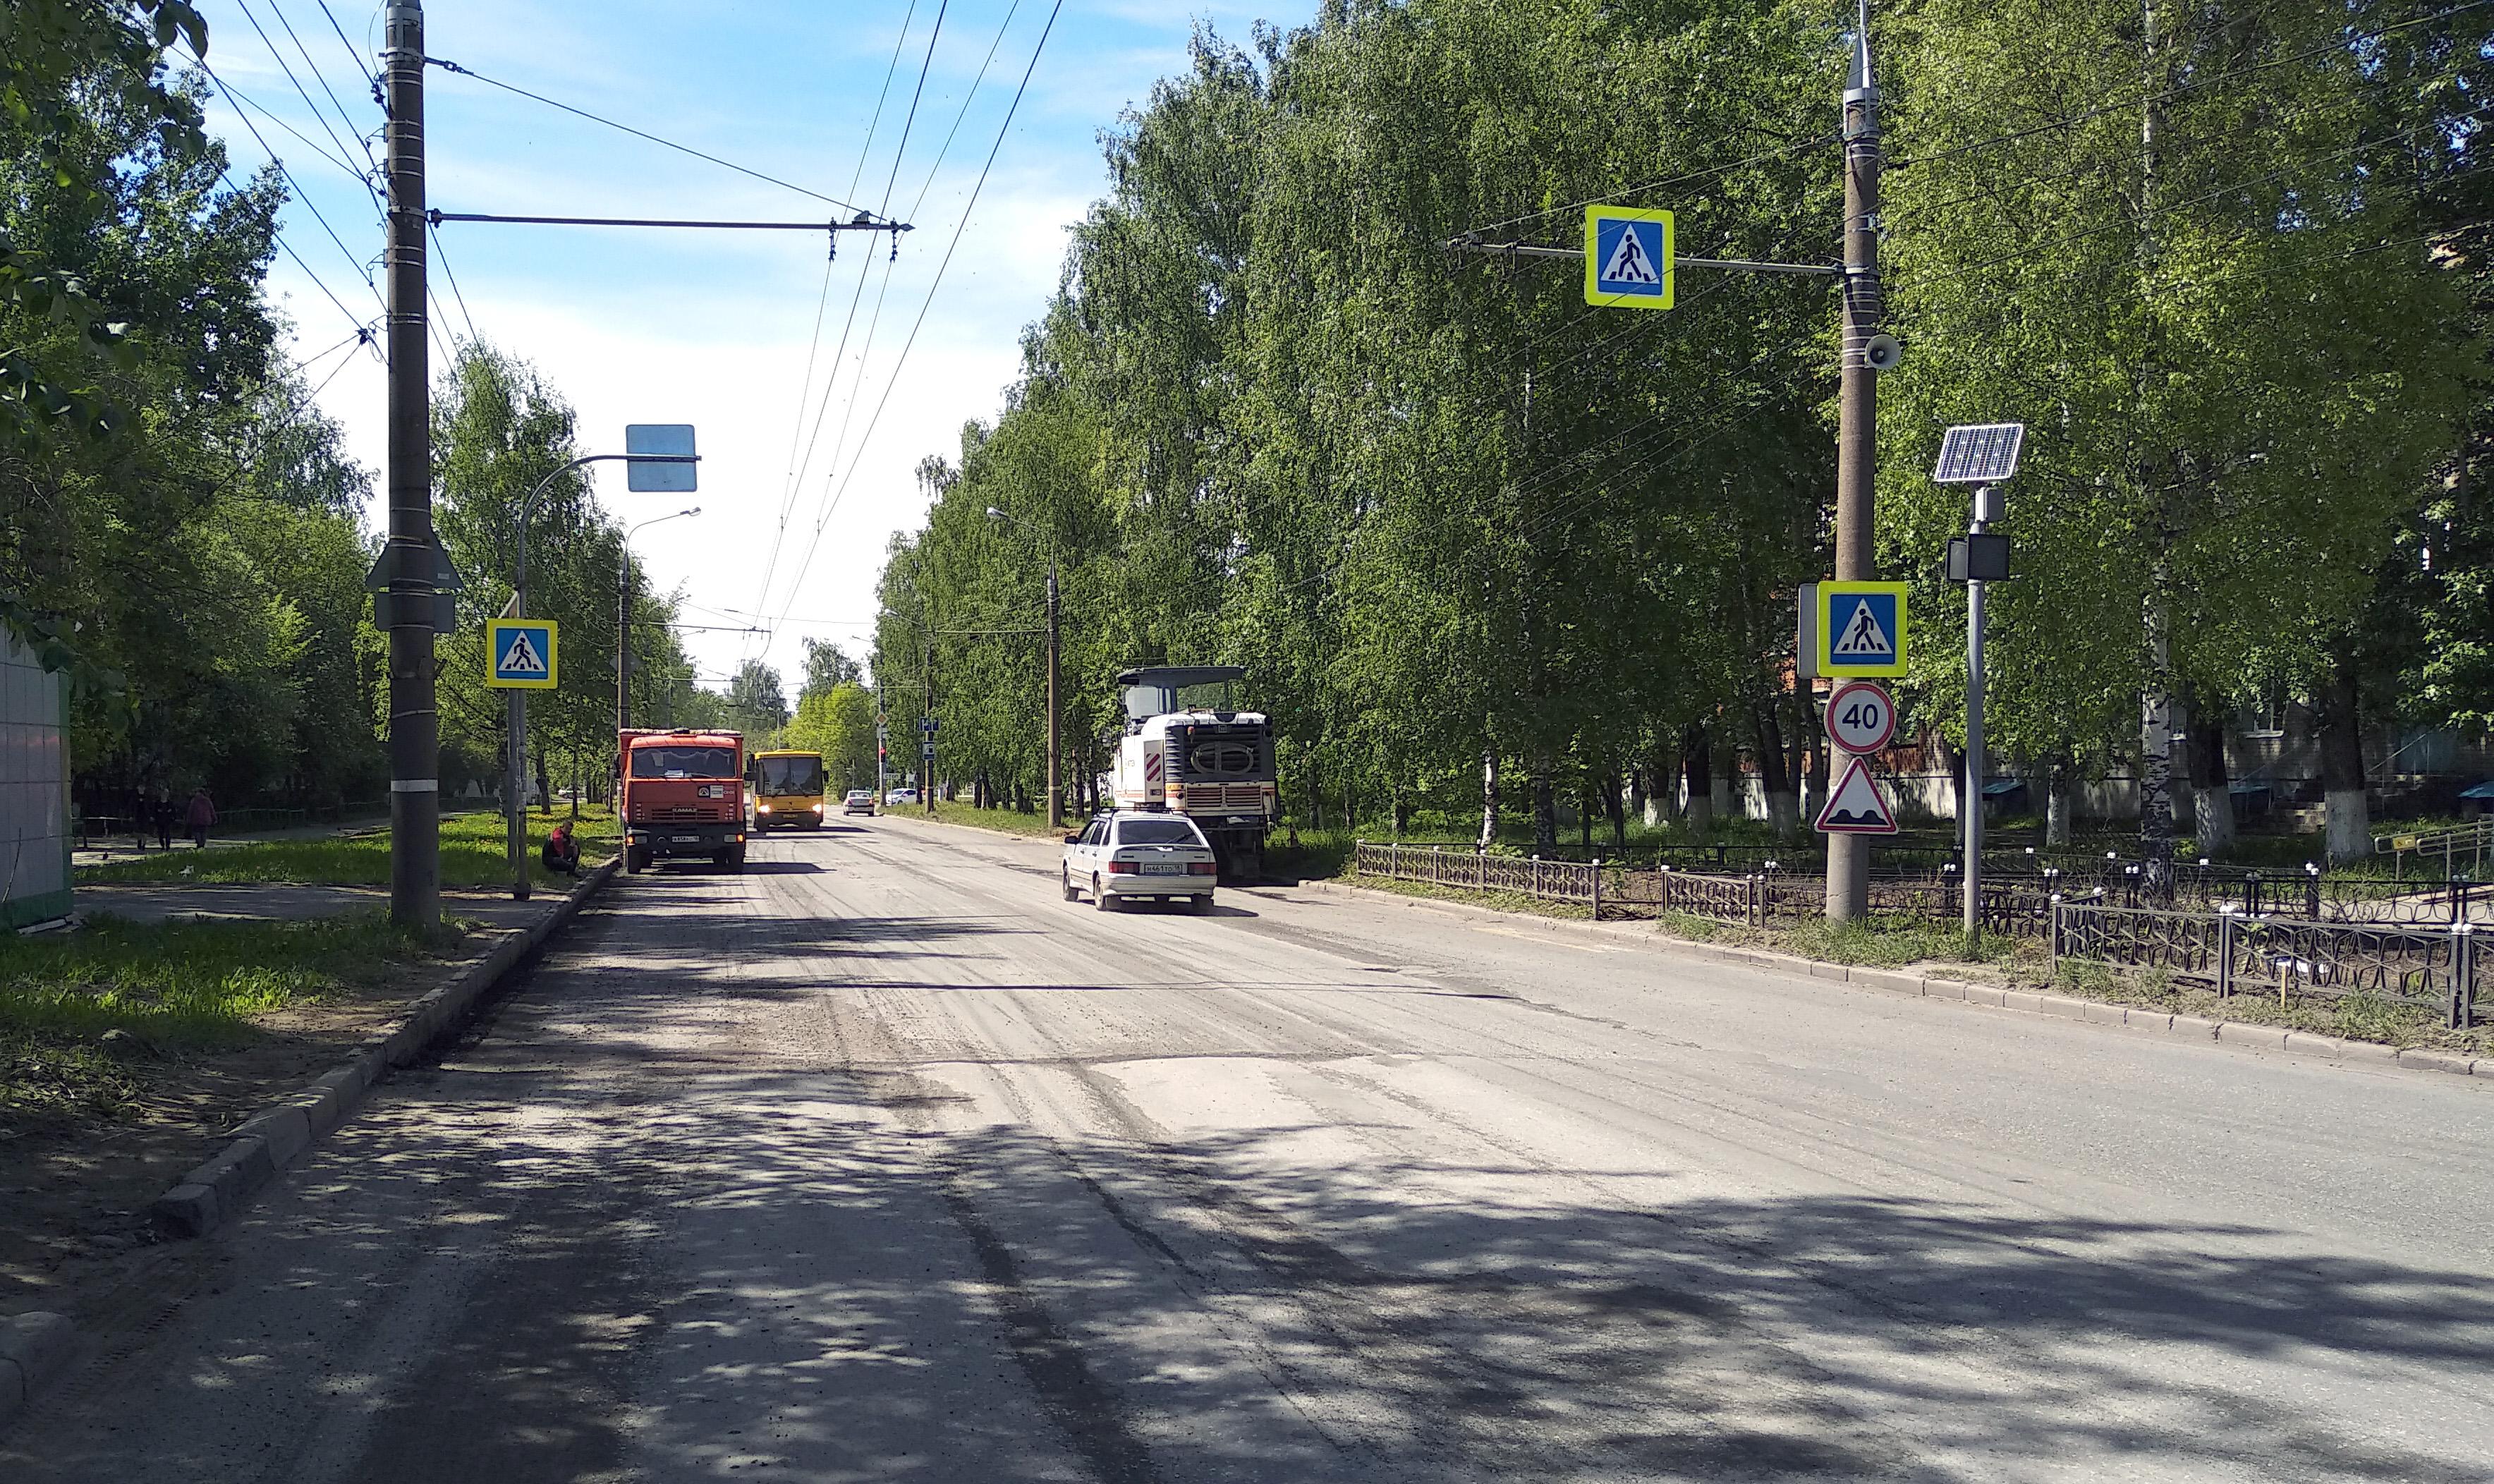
1859	716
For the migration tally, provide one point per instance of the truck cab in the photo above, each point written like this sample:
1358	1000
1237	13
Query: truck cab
1185	752
681	793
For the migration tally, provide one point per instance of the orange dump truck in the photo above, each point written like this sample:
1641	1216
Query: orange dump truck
681	793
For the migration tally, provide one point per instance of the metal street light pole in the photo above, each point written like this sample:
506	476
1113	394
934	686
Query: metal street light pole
515	703
1986	501
623	618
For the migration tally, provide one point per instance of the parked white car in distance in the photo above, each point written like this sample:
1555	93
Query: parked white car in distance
1134	853
900	796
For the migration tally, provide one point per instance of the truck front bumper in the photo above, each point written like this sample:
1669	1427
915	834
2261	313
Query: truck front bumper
684	838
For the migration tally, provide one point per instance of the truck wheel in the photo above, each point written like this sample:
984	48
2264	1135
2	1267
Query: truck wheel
635	860
1099	896
736	861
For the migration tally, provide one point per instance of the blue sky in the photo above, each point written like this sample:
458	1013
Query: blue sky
716	328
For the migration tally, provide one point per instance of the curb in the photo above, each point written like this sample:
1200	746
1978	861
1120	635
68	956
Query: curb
278	1134
2258	1037
33	1347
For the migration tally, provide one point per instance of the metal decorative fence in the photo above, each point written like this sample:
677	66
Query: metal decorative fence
2016	908
2425	967
1563	881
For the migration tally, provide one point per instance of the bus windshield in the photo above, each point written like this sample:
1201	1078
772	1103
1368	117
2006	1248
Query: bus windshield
784	775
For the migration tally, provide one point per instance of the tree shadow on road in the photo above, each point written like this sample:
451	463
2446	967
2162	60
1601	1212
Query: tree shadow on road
682	1261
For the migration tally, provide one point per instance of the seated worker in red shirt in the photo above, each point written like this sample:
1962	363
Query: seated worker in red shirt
561	851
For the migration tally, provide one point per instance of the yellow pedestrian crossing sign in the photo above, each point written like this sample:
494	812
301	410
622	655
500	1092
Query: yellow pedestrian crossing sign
1853	629
1627	258
520	654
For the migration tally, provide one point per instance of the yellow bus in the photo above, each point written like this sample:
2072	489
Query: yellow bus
787	791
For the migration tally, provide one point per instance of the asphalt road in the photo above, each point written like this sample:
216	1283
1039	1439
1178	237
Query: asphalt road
883	1162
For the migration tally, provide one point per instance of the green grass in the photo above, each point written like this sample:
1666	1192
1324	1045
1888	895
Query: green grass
2355	1017
171	988
472	855
1884	941
1893	941
1503	901
1319	854
1006	821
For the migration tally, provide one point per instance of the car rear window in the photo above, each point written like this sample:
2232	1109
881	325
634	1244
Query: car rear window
1157	832
683	762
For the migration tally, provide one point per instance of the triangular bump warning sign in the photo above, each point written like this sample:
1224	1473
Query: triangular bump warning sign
1628	262
522	656
1862	637
1855	805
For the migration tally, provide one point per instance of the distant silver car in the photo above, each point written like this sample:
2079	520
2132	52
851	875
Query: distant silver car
859	800
1137	855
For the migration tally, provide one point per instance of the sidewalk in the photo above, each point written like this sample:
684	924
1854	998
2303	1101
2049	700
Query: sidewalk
77	1182
121	847
272	901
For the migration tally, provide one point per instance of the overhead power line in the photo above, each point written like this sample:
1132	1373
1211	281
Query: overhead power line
357	56
245	99
301	92
794	478
928	303
875	318
640	134
277	160
453	280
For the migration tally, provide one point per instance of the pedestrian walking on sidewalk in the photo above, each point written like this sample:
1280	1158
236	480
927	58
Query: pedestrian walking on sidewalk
202	813
160	813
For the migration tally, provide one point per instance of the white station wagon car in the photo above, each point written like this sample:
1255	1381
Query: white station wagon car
1134	853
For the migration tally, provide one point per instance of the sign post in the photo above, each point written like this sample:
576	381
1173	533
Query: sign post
519	657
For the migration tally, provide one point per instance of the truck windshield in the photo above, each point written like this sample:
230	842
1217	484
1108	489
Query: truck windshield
683	762
783	775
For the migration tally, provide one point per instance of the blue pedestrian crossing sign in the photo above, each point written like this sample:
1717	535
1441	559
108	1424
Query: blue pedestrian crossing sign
1853	629
1627	258
520	654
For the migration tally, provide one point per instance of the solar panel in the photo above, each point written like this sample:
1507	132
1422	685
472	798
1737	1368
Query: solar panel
1980	454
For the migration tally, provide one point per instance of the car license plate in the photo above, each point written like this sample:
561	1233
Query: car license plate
688	839
1163	867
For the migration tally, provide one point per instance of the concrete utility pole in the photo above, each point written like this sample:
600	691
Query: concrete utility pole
1055	792
1857	416
414	724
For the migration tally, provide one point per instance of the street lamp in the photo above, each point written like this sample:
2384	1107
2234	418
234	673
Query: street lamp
1984	455
653	451
623	618
1055	798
